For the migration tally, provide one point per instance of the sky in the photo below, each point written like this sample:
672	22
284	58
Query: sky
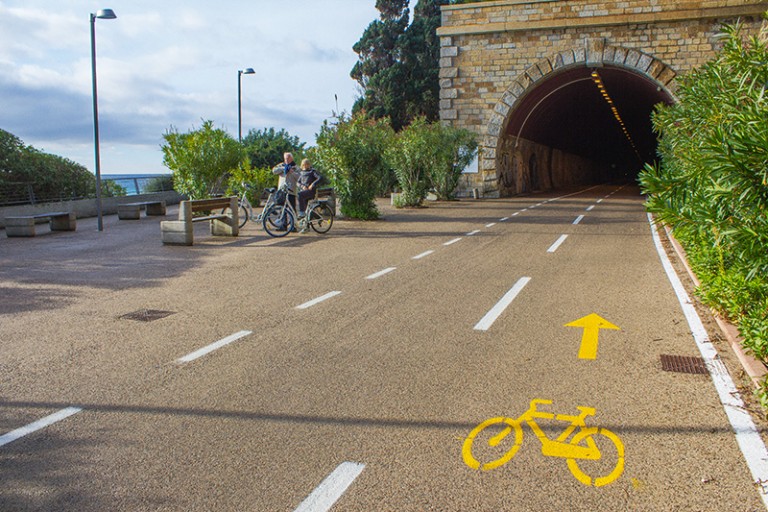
172	63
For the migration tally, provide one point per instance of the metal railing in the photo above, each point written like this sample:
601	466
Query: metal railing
22	193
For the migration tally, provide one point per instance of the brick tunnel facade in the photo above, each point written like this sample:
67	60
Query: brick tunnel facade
561	93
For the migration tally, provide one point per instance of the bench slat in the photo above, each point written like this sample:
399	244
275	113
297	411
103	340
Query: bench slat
210	217
208	204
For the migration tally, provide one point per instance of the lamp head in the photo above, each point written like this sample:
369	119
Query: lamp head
249	71
106	14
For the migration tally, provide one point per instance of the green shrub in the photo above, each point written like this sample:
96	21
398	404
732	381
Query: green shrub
351	154
711	184
201	159
410	155
258	180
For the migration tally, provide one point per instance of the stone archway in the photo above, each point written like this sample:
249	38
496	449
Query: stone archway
497	149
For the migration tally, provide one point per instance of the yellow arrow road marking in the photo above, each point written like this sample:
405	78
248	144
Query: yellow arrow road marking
591	324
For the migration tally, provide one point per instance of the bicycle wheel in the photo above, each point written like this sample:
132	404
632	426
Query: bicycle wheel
611	471
320	218
278	221
493	439
241	211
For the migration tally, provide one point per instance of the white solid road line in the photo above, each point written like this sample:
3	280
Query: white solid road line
37	425
213	346
451	242
557	244
422	255
747	436
578	219
318	300
332	488
381	272
487	321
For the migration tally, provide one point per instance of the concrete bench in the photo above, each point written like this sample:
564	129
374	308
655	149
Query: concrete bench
180	232
133	210
25	225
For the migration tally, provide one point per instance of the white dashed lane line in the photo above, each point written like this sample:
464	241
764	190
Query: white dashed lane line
578	219
487	321
38	425
213	346
332	488
451	242
381	273
557	244
423	255
318	300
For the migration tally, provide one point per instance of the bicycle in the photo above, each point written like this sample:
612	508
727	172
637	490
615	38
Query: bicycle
280	218
246	208
580	447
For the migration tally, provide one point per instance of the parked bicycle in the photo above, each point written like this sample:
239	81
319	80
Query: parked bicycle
246	210
580	447
280	218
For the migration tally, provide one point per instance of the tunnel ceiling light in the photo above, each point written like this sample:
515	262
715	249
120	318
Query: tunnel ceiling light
601	87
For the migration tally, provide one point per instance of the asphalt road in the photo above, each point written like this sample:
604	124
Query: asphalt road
364	401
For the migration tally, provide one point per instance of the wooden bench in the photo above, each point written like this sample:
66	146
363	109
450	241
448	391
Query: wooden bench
180	232
25	225
133	210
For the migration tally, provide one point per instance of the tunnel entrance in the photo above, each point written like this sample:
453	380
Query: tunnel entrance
566	129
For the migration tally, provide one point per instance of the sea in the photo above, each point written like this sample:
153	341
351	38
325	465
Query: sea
134	184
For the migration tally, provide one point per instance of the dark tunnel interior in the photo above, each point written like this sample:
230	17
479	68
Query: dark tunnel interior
567	111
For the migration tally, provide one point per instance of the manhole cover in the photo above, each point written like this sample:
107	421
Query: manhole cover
147	315
683	364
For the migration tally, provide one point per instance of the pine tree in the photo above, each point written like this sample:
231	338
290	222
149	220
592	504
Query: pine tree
398	67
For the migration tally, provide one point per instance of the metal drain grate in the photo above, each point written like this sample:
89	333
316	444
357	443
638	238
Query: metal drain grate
147	315
683	364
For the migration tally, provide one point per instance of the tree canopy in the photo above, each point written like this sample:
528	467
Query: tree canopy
265	148
201	159
49	177
398	65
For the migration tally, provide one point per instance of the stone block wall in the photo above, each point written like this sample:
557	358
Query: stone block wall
489	47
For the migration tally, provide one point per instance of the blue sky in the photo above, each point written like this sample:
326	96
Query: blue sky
172	63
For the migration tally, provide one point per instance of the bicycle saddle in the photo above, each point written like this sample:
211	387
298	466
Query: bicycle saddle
271	190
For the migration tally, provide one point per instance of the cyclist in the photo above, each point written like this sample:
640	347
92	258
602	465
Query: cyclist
288	176
307	181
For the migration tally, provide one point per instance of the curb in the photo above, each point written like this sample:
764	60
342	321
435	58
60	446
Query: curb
756	370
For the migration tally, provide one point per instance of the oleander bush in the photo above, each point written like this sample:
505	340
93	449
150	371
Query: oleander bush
711	182
351	153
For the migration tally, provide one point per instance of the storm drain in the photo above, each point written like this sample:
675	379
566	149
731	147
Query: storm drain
683	364
147	315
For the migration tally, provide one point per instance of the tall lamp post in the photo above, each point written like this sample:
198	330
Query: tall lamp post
240	72
105	14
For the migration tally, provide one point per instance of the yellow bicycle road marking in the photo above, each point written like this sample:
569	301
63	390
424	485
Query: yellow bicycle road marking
580	447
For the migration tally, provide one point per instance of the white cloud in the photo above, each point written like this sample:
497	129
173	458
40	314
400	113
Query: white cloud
172	63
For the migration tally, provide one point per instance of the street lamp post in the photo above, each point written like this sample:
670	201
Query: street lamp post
105	14
240	72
